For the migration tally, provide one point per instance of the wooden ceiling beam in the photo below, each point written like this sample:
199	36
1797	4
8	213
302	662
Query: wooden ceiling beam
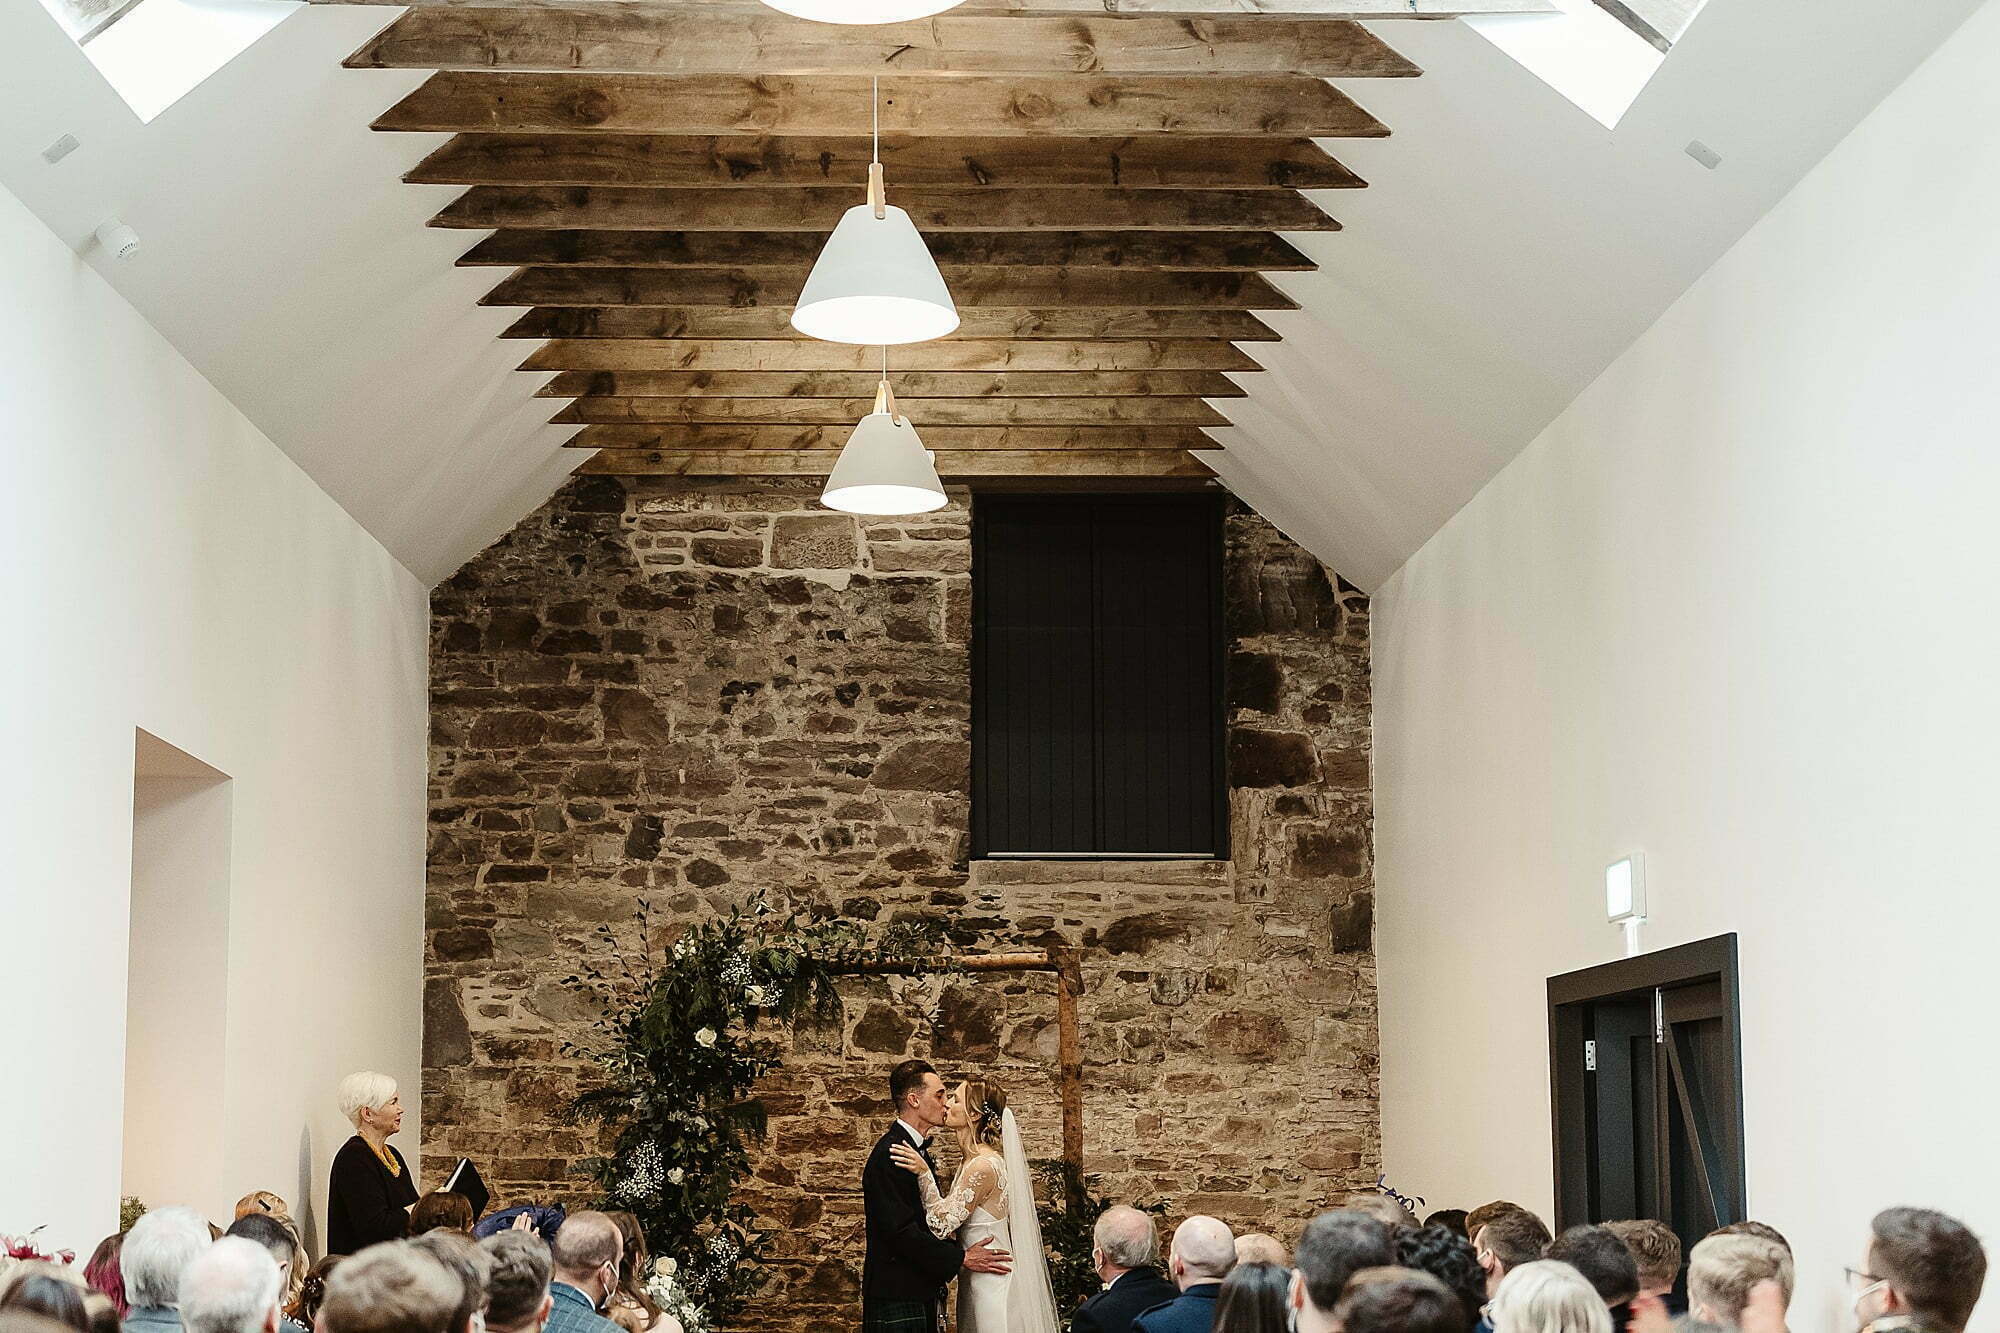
819	208
1151	385
601	38
945	354
1277	9
1134	162
976	323
925	412
1266	105
985	288
1121	251
950	463
711	438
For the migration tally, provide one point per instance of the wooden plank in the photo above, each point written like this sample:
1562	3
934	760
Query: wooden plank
984	288
975	323
925	412
1320	9
910	384
1266	105
950	463
712	438
1135	162
819	208
946	354
1122	251
601	38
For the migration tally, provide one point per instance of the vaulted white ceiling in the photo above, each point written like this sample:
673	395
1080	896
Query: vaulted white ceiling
1507	249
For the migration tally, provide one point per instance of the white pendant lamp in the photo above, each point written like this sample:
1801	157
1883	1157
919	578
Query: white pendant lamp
862	11
875	281
884	468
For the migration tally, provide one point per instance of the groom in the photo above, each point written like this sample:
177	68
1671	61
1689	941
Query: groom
906	1269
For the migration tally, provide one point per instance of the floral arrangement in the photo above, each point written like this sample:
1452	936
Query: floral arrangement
681	1039
673	1298
24	1247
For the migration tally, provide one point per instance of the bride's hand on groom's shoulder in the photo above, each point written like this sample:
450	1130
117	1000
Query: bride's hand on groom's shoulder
903	1155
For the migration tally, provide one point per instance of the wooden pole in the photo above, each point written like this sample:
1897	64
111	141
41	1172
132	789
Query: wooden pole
1069	1053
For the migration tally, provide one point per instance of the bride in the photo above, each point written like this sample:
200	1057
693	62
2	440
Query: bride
992	1198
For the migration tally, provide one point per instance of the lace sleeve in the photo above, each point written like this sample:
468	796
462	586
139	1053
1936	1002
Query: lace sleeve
947	1213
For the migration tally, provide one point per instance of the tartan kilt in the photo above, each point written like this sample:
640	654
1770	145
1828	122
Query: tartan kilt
900	1317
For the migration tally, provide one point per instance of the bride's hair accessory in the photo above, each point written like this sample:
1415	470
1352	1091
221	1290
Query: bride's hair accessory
985	1104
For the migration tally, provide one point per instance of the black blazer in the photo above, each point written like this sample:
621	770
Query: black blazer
1193	1311
1129	1296
904	1261
364	1203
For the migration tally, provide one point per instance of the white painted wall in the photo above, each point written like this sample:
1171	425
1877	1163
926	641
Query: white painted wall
163	565
1738	607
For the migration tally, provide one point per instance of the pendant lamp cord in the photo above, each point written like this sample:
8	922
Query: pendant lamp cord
875	105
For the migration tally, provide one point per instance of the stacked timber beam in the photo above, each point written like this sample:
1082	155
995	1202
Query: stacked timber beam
1102	182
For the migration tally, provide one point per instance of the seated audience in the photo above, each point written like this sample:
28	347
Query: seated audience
1723	1269
1604	1262
1252	1299
101	1272
370	1188
262	1201
1448	1257
1656	1251
631	1308
441	1210
1255	1247
1452	1219
1548	1297
304	1309
1202	1253
393	1288
232	1287
1378	1206
274	1231
517	1288
1398	1300
52	1291
1333	1247
1504	1241
157	1250
463	1258
1125	1251
1923	1273
585	1259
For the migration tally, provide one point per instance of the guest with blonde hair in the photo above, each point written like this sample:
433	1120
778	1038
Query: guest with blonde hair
371	1189
262	1201
1722	1271
1548	1297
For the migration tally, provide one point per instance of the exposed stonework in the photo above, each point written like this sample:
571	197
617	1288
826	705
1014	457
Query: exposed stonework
700	693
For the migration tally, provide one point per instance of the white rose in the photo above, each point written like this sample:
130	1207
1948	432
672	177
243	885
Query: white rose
665	1267
754	994
676	1176
705	1037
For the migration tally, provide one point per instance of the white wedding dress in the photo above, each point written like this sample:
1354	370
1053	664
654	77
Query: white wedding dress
993	1199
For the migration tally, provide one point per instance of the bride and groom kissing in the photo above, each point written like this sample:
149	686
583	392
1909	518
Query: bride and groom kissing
922	1235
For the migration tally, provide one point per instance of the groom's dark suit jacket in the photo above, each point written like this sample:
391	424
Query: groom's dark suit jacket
904	1261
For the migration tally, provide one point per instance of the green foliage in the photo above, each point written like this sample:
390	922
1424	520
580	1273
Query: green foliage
1068	1213
130	1210
679	1043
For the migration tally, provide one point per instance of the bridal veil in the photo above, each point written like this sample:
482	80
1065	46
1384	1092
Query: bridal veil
1031	1299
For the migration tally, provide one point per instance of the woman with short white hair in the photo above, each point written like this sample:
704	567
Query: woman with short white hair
371	1189
1547	1296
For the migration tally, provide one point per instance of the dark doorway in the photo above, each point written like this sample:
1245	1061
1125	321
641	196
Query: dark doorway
1646	1072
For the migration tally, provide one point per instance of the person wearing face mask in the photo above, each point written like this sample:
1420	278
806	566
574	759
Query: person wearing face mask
1922	1274
585	1262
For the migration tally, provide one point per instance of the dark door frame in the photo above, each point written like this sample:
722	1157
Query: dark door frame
1569	1097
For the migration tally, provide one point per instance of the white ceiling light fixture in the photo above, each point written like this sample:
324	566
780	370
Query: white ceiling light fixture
875	281
862	11
884	468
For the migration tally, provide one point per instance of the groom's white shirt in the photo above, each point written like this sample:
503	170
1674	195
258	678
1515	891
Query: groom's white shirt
917	1136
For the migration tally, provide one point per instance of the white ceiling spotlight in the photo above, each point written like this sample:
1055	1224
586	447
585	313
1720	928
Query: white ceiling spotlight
884	468
862	11
875	281
118	240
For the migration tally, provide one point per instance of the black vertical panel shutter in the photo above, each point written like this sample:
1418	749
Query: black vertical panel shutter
1097	677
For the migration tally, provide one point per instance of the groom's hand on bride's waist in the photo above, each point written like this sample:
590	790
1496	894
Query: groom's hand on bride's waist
986	1257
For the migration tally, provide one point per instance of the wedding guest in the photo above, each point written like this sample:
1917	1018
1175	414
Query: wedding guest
1656	1250
157	1250
30	1290
370	1189
1923	1273
1507	1240
464	1260
1723	1269
1397	1300
441	1210
1604	1262
1761	1230
1545	1296
585	1261
101	1313
274	1231
1333	1247
393	1288
1202	1253
1452	1219
1380	1207
1257	1248
232	1287
517	1291
632	1308
101	1271
1485	1213
262	1201
1125	1251
304	1309
1252	1299
1448	1257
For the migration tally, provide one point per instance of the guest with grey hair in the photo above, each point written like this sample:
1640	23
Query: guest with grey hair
231	1287
1203	1252
370	1188
1125	1249
157	1251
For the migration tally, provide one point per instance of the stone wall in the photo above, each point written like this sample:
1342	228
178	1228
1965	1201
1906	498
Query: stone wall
703	693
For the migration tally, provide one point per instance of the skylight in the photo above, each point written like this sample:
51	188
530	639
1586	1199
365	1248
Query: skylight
1600	54
153	52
